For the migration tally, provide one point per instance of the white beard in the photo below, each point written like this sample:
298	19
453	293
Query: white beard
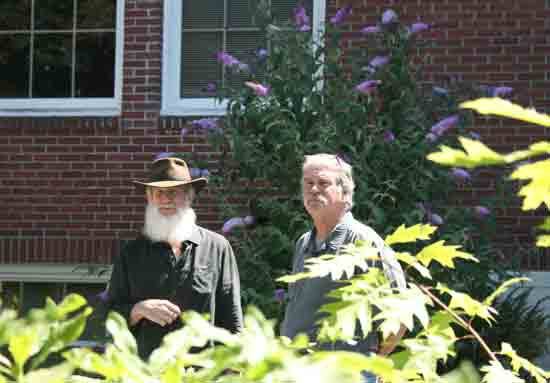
176	228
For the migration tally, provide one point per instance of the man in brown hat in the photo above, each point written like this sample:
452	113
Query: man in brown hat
174	265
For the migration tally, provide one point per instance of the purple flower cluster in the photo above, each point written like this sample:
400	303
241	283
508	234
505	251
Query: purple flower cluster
280	295
259	89
368	86
441	127
208	125
236	222
389	17
231	62
301	19
198	172
418	27
377	62
389	136
460	175
341	15
481	211
433	218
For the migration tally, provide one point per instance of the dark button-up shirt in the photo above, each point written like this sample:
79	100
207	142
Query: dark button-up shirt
204	279
308	295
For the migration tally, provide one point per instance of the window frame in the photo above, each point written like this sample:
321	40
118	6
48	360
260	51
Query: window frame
172	103
81	106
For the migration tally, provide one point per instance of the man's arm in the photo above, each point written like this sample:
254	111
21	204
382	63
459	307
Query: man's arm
229	313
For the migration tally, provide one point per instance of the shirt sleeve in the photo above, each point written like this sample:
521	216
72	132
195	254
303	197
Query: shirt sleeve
392	268
228	312
118	291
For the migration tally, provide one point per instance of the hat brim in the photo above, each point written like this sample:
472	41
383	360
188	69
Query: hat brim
197	183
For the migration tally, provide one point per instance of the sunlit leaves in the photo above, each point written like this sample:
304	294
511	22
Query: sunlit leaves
475	153
466	372
537	191
543	241
502	289
496	373
410	234
518	363
500	107
443	254
122	337
408	259
468	305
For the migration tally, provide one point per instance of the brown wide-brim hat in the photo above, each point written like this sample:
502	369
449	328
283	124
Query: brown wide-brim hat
168	172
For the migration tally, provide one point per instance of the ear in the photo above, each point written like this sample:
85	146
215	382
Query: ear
148	196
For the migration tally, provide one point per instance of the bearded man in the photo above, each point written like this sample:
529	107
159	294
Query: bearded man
174	265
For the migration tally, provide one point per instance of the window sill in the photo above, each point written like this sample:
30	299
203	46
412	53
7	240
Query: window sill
88	107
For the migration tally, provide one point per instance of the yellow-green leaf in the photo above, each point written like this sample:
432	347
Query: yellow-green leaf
496	373
543	241
545	225
499	107
468	304
475	154
537	191
502	289
413	262
410	234
442	254
518	363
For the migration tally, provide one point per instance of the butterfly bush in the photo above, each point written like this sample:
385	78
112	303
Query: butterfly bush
364	102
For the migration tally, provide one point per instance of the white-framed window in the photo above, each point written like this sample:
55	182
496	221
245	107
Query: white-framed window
194	31
61	57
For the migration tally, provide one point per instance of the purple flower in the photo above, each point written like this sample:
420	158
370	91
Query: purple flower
259	89
474	135
389	17
481	211
340	15
235	222
301	19
370	29
435	219
304	28
162	155
440	91
207	124
501	91
460	175
210	87
389	136
368	86
442	126
227	59
280	295
377	62
103	296
261	53
198	172
418	27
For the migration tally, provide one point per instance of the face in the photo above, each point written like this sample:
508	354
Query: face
321	193
169	200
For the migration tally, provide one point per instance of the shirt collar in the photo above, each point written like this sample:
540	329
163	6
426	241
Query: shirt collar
336	238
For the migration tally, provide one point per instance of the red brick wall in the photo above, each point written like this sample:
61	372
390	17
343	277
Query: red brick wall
66	186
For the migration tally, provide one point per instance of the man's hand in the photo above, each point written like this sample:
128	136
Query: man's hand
160	311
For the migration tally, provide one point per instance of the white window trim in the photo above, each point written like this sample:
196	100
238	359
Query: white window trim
172	103
94	106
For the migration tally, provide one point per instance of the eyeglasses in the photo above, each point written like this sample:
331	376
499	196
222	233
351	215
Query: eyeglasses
170	193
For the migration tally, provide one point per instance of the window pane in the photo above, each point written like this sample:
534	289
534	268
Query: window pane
34	295
14	65
15	14
202	14
199	65
96	14
52	65
53	14
282	10
241	13
243	45
95	64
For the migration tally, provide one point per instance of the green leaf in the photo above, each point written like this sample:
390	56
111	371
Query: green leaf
410	234
475	154
518	363
499	107
90	361
71	303
469	305
442	254
24	345
56	374
502	289
545	225
495	373
543	241
536	191
408	259
465	373
122	337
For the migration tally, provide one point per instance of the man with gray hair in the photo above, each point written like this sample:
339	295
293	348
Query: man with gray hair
327	188
174	265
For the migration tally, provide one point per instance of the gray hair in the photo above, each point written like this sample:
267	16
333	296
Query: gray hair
344	171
